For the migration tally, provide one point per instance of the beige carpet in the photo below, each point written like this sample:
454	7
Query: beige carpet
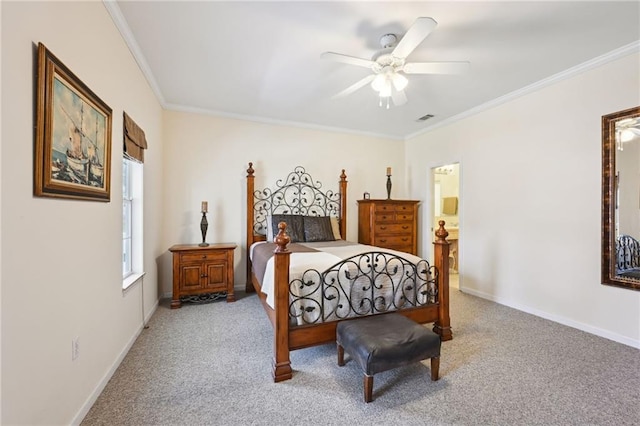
211	364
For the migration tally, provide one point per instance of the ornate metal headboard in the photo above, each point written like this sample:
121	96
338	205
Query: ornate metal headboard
297	194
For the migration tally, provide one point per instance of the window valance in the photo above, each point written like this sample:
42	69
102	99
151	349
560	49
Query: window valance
134	140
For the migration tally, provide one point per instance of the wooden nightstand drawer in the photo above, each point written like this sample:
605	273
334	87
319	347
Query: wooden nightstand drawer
202	255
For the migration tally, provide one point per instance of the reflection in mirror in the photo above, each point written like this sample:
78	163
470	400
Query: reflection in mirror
621	198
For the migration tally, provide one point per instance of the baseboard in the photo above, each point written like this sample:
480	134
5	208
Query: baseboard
105	379
555	318
151	312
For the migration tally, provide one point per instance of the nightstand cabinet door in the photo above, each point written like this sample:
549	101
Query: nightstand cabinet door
215	276
390	224
202	270
190	278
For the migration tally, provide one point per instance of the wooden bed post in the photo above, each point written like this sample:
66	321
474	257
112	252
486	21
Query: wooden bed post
281	362
250	218
441	259
343	205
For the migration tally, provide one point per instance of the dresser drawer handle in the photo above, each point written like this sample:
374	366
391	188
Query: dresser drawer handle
383	241
383	228
384	217
204	256
405	239
204	276
405	227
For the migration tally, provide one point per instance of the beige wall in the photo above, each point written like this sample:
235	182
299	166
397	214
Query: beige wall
530	175
206	158
61	259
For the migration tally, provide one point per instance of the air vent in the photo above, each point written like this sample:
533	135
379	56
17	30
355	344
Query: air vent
425	117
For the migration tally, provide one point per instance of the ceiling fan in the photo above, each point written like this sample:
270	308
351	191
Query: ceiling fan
389	65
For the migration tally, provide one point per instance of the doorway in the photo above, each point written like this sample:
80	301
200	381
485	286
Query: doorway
446	202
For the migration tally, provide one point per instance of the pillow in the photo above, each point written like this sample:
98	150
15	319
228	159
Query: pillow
317	228
335	226
295	227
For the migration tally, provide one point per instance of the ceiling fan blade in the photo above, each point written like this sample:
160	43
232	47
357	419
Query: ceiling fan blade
399	97
351	60
349	90
414	36
436	67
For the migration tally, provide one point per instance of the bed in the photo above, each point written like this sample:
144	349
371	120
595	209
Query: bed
308	283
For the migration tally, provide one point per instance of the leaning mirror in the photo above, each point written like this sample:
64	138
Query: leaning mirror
621	198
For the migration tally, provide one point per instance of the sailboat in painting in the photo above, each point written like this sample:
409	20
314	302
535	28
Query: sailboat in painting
82	154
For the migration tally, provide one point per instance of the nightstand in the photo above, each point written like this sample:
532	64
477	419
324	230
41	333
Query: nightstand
202	270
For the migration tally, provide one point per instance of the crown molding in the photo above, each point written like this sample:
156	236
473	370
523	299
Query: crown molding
276	122
616	54
121	23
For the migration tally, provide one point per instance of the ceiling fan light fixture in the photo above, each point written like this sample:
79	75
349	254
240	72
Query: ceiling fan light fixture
378	82
626	135
385	91
399	81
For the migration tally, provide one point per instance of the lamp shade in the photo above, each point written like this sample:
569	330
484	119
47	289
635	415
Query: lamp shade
385	91
399	81
378	82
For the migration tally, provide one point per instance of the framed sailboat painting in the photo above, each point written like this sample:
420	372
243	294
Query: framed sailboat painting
73	135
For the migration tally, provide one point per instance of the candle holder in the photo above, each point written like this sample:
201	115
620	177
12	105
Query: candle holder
388	186
204	225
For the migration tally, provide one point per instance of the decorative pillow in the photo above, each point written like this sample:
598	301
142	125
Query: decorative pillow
318	228
335	227
295	227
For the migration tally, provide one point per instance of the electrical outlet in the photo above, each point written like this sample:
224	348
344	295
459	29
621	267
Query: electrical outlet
75	348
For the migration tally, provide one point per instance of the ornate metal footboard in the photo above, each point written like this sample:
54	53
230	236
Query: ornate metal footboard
365	284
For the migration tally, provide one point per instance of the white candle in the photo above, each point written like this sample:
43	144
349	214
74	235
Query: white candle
204	206
388	171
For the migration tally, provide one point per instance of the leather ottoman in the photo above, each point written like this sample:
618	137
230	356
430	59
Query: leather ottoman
382	342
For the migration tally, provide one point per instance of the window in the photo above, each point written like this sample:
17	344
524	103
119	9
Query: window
127	200
132	265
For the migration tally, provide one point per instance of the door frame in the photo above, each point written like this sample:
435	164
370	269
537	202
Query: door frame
431	225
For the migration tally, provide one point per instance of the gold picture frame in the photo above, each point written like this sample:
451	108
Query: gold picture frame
73	135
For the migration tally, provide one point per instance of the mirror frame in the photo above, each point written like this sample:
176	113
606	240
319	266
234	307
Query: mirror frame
609	276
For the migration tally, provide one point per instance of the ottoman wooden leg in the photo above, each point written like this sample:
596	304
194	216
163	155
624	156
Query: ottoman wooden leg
368	388
435	368
340	355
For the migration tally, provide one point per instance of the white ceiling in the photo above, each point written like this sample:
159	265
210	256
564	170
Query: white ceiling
261	60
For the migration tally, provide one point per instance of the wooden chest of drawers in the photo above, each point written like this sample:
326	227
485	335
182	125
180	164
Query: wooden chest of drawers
389	223
201	270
